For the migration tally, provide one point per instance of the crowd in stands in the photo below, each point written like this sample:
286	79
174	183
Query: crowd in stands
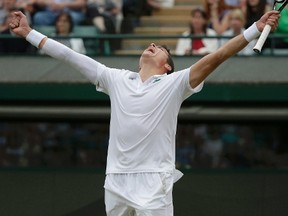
53	145
108	16
221	18
215	18
44	144
231	146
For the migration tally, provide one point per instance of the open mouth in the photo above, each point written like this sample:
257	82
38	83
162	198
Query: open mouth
151	50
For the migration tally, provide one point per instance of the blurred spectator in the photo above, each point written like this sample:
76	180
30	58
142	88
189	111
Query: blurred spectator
236	27
213	147
10	45
217	11
158	4
6	6
102	21
132	11
198	146
233	3
185	149
106	15
198	27
254	9
48	10
64	28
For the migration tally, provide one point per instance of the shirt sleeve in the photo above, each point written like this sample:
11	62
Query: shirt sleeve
181	80
95	72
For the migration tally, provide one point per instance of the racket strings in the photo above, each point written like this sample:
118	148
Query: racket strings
279	3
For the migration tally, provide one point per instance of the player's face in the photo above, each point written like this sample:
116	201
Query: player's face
155	53
155	50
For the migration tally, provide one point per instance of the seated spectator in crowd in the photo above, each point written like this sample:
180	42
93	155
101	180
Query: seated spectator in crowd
11	45
158	4
106	15
213	148
50	9
236	27
218	14
64	28
198	27
254	9
98	19
132	12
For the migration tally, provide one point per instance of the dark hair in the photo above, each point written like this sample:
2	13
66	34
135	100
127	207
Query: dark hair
253	15
70	20
203	14
169	59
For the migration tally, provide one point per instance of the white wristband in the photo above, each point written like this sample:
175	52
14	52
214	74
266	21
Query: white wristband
34	37
251	33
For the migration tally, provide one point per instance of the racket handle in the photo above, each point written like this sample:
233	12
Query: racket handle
257	48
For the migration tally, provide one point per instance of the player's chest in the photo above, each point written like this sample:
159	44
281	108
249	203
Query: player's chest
143	97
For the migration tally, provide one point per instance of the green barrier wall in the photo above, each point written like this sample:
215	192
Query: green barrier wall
86	92
80	193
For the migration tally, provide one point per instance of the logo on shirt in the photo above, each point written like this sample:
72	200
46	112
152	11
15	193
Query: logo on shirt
156	80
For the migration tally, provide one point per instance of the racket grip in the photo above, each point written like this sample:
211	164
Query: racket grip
258	47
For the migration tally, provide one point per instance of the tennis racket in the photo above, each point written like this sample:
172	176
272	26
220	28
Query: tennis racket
258	47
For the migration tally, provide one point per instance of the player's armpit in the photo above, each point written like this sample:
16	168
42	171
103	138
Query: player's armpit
202	68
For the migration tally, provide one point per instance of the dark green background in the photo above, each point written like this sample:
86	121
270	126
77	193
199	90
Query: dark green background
79	192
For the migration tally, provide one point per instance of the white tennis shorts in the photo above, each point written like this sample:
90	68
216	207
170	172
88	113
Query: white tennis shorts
139	194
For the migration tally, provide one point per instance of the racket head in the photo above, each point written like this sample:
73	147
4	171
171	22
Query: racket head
278	7
257	48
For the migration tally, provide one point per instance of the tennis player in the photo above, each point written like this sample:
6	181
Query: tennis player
140	170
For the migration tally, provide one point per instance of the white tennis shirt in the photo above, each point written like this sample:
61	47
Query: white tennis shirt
143	114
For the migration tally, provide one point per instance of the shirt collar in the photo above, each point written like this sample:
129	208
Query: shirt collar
159	75
133	76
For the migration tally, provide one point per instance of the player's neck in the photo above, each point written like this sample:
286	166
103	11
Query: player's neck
147	72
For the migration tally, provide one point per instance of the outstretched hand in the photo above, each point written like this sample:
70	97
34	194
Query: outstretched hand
270	18
19	24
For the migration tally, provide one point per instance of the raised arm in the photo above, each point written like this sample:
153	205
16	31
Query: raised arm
201	69
86	65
